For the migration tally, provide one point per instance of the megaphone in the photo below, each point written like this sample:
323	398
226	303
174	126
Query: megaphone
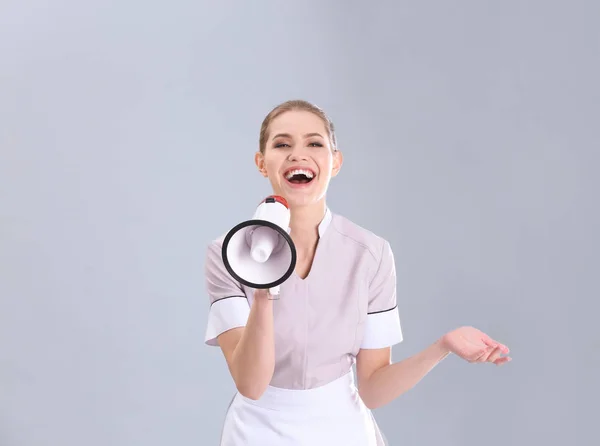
259	252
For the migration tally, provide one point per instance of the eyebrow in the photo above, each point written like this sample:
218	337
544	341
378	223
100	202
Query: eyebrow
287	135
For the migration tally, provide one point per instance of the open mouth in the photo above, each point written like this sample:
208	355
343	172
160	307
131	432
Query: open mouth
299	176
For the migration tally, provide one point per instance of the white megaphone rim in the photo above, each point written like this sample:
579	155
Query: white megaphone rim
258	222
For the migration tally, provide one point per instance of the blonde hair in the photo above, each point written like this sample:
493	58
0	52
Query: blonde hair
296	105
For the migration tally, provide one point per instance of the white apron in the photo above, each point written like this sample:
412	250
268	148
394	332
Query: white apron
332	414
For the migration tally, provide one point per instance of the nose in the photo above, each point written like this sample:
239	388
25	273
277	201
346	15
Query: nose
298	154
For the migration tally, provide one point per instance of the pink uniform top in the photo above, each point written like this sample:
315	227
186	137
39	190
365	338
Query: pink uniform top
346	303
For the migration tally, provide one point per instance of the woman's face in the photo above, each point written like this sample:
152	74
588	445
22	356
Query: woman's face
298	158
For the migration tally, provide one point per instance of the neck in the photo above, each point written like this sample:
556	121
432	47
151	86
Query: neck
304	224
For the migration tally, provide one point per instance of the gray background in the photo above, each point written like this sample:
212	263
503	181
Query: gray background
127	136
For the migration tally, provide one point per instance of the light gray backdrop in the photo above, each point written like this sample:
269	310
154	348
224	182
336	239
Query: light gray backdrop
127	136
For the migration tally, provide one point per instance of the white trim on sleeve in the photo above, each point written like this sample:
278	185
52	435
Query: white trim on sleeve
382	329
225	314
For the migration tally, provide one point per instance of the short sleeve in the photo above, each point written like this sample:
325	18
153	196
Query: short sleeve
383	327
229	307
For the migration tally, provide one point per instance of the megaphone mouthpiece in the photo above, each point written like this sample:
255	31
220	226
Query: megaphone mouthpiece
264	241
259	252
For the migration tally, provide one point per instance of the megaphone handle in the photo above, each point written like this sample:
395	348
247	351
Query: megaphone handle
274	293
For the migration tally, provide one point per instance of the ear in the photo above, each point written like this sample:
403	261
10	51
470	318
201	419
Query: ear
338	160
259	159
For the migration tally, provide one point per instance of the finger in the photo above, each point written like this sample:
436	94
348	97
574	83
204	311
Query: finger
495	354
503	360
475	344
503	348
493	343
489	341
486	354
481	354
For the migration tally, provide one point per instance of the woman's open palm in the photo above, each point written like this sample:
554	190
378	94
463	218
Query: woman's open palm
475	346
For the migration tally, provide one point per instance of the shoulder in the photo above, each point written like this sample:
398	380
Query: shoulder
216	244
375	244
213	252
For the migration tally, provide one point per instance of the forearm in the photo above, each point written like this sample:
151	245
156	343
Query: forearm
391	381
254	356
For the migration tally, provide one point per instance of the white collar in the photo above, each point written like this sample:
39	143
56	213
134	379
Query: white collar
325	222
323	225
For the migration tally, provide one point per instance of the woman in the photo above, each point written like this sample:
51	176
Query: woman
291	358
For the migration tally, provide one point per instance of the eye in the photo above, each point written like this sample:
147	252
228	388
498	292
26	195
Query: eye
281	144
315	144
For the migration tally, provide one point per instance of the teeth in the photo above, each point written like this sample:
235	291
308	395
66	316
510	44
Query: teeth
291	173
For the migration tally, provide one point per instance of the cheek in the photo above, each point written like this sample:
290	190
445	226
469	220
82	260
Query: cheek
325	163
272	167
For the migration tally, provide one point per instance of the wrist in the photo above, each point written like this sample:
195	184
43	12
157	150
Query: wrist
262	300
441	345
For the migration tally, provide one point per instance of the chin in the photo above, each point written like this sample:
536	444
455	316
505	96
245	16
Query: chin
296	202
300	197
